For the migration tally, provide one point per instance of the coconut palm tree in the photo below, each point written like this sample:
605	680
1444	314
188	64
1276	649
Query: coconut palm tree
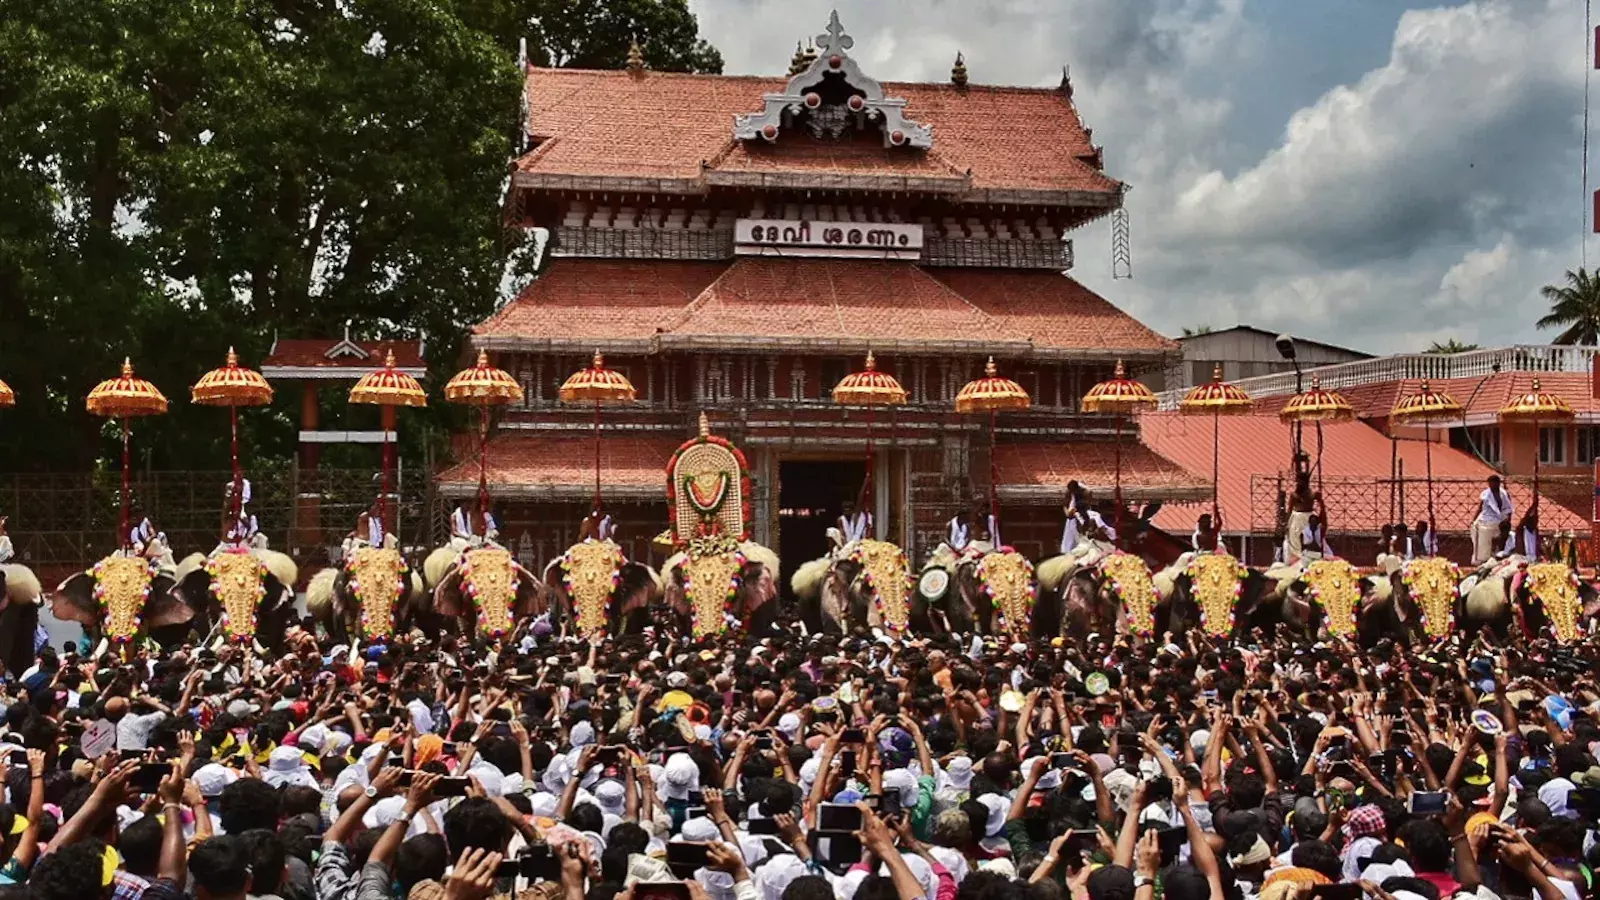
1451	346
1574	307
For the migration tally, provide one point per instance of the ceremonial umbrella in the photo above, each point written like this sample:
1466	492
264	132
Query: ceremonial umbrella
1536	406
872	389
123	398
1120	396
389	388
600	386
232	386
1426	407
7	397
1216	398
483	386
1317	405
991	394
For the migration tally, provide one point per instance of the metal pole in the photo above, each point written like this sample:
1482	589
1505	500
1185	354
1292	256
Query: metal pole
994	474
383	496
1117	450
597	455
233	422
1427	456
1216	466
483	468
127	463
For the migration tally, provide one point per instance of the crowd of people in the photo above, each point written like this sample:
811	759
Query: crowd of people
863	767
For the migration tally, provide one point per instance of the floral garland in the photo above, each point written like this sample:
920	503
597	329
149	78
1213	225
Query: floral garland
706	505
488	577
122	588
884	565
1335	585
746	514
1131	581
366	568
1431	581
238	582
1555	586
591	572
1007	577
1216	580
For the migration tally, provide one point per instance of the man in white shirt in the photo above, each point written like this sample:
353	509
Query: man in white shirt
1494	508
855	525
6	551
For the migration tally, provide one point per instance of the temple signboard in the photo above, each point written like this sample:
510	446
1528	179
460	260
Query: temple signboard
805	237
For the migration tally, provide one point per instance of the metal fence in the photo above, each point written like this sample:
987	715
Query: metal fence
66	521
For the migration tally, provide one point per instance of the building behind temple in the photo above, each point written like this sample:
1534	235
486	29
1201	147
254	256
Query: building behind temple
736	245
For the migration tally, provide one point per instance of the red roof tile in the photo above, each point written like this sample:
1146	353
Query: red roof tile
600	300
665	125
844	303
1355	463
1041	472
562	467
312	352
770	301
1052	310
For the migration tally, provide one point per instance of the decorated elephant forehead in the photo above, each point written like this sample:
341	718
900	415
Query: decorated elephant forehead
490	579
1007	577
1555	586
1129	577
710	580
1432	582
887	574
238	581
591	571
1335	585
1217	581
122	585
377	579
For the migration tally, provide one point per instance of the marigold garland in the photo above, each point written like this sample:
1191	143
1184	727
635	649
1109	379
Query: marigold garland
1130	579
1216	581
1431	581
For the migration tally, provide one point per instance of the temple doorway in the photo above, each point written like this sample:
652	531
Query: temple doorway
811	495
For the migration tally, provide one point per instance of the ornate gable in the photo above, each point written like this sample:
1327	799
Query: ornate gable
830	97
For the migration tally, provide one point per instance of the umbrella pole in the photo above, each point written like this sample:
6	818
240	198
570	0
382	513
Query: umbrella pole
1535	505
127	464
866	485
597	456
483	469
994	476
233	424
383	495
1216	467
1427	456
1117	490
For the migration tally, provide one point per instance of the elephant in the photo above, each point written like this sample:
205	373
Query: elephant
1074	600
1563	602
483	586
125	599
845	592
617	594
1212	591
249	594
372	596
1414	603
19	617
1000	581
751	575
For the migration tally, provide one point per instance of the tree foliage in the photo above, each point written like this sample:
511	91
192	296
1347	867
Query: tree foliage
1451	346
1574	308
179	176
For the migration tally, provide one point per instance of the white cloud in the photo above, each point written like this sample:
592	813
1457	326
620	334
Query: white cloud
1432	195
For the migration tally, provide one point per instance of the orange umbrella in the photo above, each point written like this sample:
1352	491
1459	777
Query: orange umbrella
1536	406
7	397
1426	408
123	398
232	386
1316	405
387	387
991	394
600	386
1120	396
483	386
1216	398
872	389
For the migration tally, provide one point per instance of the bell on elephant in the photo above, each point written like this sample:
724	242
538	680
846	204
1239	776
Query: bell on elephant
240	595
369	598
122	600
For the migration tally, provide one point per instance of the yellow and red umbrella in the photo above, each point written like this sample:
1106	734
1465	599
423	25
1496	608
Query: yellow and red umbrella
232	386
390	388
991	394
124	398
602	387
483	386
1316	405
1536	406
872	389
1427	407
1216	398
1119	396
7	396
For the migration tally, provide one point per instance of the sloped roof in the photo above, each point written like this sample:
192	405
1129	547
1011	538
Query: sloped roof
357	358
1040	472
801	303
674	129
561	467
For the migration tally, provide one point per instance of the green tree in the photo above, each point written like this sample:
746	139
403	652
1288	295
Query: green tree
1196	330
1574	308
1451	346
582	34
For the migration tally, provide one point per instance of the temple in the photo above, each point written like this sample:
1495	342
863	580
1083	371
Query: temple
736	245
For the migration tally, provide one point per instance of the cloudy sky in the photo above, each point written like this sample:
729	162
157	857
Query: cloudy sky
1378	173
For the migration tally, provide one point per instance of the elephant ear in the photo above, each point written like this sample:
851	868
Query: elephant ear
637	582
447	595
193	587
166	605
530	593
18	622
1590	598
74	601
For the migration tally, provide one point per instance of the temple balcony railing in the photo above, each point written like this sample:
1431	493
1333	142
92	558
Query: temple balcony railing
1412	366
581	241
998	253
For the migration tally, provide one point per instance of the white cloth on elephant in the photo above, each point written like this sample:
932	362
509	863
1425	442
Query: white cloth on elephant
1530	543
375	531
460	523
1483	541
1294	536
1069	534
957	534
856	527
6	551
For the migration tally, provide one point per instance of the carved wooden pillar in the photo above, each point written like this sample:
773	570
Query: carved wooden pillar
727	378
699	379
772	378
649	380
538	380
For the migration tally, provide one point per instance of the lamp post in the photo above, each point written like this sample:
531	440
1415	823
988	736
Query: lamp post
1285	345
